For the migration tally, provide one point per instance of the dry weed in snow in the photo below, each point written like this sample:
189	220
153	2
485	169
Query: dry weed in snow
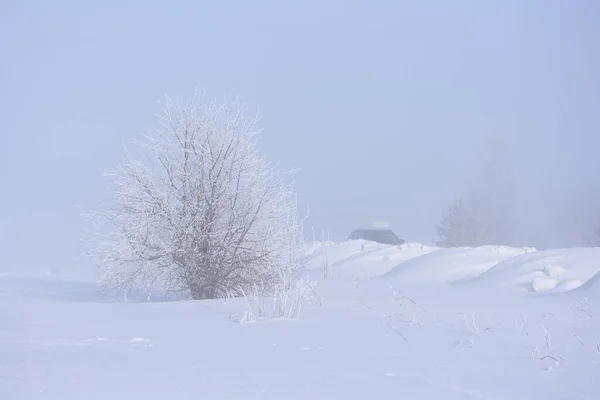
285	303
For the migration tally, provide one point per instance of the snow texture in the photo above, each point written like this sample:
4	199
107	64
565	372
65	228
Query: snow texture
406	321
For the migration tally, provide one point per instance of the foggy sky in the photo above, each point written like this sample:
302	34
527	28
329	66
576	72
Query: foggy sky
384	106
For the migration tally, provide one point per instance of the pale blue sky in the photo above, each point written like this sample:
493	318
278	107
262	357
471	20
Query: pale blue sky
383	105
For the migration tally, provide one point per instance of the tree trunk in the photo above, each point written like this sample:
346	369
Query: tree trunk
202	292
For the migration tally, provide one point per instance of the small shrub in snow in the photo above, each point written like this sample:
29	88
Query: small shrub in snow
288	302
285	303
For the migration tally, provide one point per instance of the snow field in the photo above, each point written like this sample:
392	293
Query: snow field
406	321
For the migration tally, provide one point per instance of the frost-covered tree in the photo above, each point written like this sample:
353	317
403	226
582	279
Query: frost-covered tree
583	212
594	240
472	221
456	226
486	214
197	210
591	235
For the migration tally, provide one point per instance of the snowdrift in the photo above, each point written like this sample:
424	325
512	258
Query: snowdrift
453	264
558	270
522	268
592	286
359	258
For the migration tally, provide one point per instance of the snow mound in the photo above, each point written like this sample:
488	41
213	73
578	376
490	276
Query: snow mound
361	258
331	253
591	286
454	264
559	270
309	248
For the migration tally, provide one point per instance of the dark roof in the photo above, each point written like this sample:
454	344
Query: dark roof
384	236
